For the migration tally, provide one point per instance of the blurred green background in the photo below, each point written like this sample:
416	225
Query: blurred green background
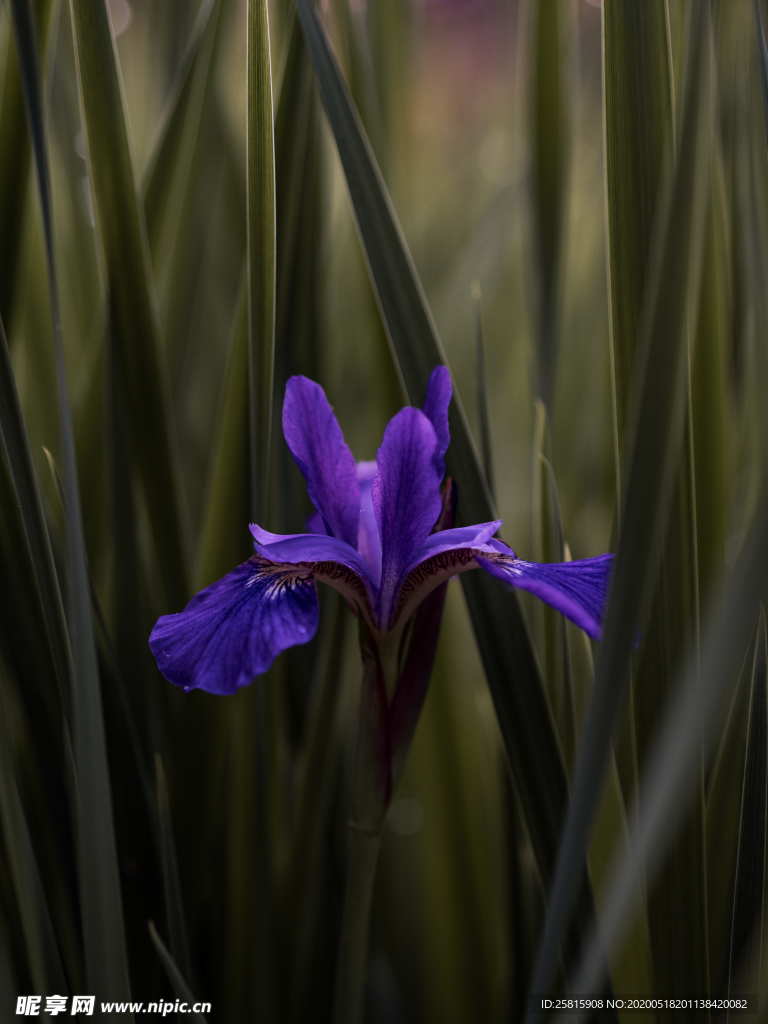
586	206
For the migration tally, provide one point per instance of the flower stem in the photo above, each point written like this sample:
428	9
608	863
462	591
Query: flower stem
370	794
351	970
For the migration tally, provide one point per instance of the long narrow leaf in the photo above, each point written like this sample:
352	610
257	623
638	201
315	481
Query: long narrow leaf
657	439
14	163
174	903
169	140
689	725
749	878
549	96
261	250
175	976
39	935
102	913
131	305
481	386
638	145
13	441
222	541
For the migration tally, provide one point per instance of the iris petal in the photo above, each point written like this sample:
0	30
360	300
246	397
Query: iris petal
329	560
368	538
293	548
458	537
578	589
443	555
317	444
406	497
234	629
435	408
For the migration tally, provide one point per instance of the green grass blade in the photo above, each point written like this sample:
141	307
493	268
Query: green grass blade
100	898
353	33
14	165
401	299
13	441
548	545
128	615
223	539
749	877
299	173
175	976
301	339
689	726
357	59
46	968
250	834
762	44
630	962
179	165
723	810
680	901
14	159
173	144
166	193
638	145
711	409
128	746
261	251
483	412
131	305
755	232
174	902
391	38
508	660
638	126
8	982
659	421
683	901
551	30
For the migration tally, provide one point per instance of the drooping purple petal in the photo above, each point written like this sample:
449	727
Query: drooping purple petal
578	590
443	554
328	559
406	497
262	536
317	444
234	629
476	537
293	548
435	408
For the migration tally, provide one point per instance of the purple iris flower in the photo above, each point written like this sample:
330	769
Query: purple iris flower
376	537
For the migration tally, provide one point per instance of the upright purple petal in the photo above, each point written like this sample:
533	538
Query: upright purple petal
317	444
368	538
406	497
577	590
235	628
436	403
315	524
